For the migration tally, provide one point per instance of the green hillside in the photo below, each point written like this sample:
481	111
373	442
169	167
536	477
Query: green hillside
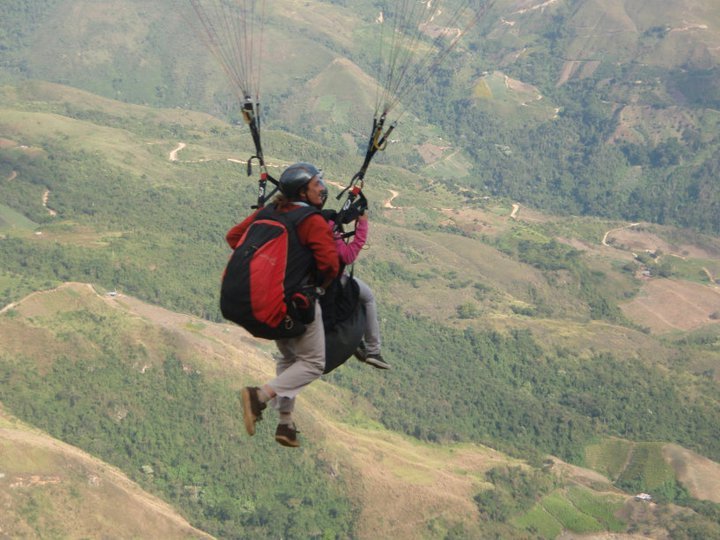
544	250
597	108
155	393
502	275
57	490
123	390
503	331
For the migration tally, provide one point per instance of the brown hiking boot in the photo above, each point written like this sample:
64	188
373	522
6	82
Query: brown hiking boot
252	408
287	435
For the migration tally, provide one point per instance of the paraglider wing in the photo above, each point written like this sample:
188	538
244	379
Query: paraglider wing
233	32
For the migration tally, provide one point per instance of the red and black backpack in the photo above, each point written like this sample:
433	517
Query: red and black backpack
266	269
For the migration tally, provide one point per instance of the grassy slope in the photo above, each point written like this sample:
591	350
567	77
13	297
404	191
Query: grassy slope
666	33
398	484
137	140
444	265
53	489
143	55
377	463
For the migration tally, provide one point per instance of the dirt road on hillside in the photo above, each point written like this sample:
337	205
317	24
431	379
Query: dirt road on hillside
605	237
45	198
713	280
174	153
173	156
389	202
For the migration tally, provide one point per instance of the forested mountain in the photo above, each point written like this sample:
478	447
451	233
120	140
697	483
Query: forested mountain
544	248
587	107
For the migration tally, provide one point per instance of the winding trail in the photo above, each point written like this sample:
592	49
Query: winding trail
173	154
536	7
515	209
13	176
604	240
712	278
393	195
45	198
388	203
336	184
10	306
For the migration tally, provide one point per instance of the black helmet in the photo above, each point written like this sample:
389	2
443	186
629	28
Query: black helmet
295	177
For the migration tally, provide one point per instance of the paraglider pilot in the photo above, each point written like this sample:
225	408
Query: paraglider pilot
302	358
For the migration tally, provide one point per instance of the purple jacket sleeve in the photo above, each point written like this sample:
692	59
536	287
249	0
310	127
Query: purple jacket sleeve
349	252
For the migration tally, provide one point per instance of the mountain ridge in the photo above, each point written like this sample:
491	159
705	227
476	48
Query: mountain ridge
78	494
440	479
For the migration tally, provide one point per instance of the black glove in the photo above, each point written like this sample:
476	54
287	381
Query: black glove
350	215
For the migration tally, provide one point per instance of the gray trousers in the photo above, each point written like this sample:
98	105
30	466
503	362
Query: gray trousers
302	361
372	326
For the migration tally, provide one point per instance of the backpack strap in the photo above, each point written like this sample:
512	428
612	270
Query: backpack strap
290	219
